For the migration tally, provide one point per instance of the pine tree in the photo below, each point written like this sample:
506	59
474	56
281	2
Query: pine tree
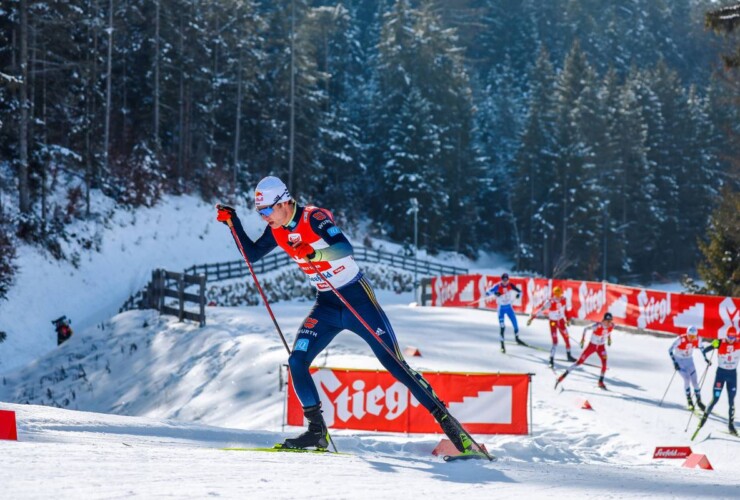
534	170
720	268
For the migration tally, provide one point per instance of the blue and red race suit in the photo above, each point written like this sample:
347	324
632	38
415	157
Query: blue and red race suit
329	316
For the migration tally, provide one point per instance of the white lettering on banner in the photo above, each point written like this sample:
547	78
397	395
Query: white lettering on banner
326	379
730	317
590	301
652	310
568	294
356	402
538	295
694	315
444	293
488	407
619	307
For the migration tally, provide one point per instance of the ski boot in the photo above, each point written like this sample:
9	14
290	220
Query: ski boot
690	402
503	347
520	341
731	429
699	403
317	434
453	429
570	358
602	385
551	364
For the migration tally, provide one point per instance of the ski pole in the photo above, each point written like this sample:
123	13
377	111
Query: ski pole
701	384
256	282
264	298
392	354
666	389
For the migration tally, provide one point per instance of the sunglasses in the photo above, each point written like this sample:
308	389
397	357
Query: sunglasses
267	211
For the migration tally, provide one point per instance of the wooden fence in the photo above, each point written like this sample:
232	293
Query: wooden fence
277	259
170	284
166	284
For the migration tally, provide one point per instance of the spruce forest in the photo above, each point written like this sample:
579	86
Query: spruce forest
582	138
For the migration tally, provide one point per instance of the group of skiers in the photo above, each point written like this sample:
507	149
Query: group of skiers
681	350
345	300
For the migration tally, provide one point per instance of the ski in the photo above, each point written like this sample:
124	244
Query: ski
278	448
471	455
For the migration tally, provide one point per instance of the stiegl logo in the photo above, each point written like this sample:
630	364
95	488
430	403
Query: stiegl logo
345	402
590	301
444	293
652	310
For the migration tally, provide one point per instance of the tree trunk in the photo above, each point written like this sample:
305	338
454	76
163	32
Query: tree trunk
156	78
24	195
108	78
237	128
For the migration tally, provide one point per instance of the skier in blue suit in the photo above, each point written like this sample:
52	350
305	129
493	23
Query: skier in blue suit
504	291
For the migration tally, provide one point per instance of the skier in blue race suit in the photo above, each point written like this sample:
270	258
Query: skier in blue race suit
308	234
503	291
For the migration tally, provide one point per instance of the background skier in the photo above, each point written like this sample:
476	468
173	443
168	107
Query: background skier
600	335
681	352
558	316
504	291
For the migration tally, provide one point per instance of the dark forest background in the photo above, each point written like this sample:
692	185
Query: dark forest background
585	139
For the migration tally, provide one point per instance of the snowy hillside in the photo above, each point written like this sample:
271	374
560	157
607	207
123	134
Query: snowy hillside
190	391
179	232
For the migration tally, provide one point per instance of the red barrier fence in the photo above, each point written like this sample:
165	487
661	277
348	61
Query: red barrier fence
485	403
632	307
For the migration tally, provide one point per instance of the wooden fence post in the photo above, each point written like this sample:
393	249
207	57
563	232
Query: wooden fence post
180	293
202	300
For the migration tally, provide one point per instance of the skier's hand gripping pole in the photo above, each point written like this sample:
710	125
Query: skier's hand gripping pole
392	354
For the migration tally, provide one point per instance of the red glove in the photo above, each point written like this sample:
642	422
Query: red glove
225	213
303	250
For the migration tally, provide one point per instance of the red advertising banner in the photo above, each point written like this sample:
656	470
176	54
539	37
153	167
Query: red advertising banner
373	400
672	452
633	307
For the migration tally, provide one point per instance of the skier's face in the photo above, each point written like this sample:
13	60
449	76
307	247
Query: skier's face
280	215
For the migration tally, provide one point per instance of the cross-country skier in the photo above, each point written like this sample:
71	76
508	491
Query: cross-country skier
600	335
309	235
503	292
681	353
556	312
728	355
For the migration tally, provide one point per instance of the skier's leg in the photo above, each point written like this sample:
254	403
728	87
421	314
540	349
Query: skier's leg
601	351
512	316
502	327
554	337
369	309
731	392
313	336
317	331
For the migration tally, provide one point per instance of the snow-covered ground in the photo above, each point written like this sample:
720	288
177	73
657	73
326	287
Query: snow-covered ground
191	391
138	404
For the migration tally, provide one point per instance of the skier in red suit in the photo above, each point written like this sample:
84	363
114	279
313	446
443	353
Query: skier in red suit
600	335
556	312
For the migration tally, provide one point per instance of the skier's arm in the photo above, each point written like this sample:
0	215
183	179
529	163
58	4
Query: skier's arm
254	250
536	312
339	245
492	291
517	290
583	335
670	352
712	345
